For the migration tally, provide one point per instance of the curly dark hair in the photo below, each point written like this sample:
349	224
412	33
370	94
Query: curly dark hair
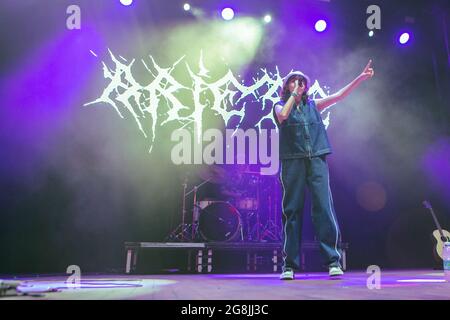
285	93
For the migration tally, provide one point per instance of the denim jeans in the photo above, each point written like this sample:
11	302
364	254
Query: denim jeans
296	175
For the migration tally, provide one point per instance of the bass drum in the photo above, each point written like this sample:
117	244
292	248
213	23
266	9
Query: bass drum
219	221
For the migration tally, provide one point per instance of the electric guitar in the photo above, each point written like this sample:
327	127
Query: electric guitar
440	236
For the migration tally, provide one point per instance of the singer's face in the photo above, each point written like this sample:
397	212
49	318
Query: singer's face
301	85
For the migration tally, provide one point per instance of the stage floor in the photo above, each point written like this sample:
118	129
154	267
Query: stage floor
410	284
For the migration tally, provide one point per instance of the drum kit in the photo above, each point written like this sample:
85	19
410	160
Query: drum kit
246	209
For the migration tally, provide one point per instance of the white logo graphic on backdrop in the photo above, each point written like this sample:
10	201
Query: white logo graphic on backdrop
157	103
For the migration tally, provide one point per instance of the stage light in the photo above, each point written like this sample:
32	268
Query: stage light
371	33
187	7
267	18
228	13
321	25
126	2
404	38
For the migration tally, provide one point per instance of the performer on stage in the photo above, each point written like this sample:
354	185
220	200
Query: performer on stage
304	147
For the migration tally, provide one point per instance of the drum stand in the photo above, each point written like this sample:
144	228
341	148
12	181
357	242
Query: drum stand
255	234
187	231
271	231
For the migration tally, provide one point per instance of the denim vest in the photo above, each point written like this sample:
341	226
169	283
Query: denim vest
303	133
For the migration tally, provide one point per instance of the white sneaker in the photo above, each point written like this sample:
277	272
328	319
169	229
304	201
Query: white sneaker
335	271
288	274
